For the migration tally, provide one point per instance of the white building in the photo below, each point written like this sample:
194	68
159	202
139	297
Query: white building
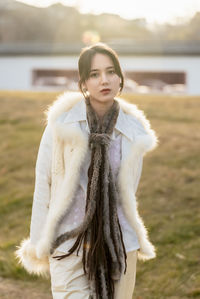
156	67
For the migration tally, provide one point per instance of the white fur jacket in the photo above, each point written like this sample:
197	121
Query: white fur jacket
66	144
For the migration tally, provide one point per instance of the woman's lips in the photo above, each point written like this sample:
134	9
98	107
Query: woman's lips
105	91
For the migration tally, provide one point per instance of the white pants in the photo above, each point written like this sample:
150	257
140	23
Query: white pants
68	279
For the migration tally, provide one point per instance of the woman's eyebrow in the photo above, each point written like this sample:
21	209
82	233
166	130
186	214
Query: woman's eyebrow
109	67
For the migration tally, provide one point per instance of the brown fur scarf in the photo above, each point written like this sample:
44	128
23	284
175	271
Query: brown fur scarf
104	255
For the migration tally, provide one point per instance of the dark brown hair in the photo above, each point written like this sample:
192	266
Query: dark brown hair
85	61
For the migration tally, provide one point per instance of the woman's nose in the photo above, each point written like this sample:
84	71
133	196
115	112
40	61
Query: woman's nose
104	78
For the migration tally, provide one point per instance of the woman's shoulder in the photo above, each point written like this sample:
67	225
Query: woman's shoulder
135	116
62	105
139	125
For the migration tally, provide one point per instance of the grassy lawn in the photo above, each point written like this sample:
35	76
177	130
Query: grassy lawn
168	193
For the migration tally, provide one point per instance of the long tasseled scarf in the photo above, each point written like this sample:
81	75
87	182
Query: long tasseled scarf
104	255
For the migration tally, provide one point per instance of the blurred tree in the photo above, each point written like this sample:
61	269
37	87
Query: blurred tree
62	24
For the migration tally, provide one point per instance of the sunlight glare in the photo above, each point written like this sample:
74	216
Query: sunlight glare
153	10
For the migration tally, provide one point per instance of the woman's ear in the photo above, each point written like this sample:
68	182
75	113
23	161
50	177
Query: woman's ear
84	88
85	91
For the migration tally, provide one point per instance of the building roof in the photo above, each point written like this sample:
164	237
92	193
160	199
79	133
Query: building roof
122	47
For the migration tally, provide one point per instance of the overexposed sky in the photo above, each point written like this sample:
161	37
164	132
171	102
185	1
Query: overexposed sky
155	11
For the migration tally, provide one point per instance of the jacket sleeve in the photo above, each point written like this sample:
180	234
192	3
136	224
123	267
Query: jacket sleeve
138	174
41	195
26	252
147	141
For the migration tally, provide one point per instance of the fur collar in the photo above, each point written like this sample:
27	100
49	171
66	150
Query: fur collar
70	107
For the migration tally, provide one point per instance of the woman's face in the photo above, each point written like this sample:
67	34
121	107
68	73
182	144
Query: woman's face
102	76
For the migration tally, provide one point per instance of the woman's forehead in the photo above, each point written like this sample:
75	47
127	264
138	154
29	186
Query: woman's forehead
100	61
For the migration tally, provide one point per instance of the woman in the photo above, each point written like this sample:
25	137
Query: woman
85	228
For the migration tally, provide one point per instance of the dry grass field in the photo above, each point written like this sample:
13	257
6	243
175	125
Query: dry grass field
168	193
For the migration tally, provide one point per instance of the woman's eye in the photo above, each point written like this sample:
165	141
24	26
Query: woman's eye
93	75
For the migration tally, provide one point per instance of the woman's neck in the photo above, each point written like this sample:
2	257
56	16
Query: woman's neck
101	108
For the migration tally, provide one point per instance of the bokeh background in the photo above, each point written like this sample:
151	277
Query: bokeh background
158	44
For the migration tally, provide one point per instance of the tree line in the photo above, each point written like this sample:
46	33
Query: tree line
60	24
